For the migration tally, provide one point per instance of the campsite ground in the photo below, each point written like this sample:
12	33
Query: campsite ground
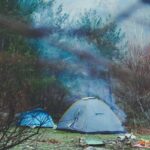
50	139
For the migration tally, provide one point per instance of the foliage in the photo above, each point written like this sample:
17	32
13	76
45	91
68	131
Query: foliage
52	17
103	34
133	90
15	73
23	83
10	137
9	7
52	97
10	41
23	87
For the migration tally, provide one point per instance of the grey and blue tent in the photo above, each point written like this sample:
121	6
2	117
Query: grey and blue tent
36	118
90	115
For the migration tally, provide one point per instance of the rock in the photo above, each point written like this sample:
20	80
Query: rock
94	148
90	148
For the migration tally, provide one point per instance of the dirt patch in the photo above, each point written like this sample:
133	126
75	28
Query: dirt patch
50	141
143	131
140	130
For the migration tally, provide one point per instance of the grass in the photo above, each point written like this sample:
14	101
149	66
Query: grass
49	139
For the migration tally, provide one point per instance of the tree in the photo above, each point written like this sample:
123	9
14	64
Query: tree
23	83
16	73
100	32
133	90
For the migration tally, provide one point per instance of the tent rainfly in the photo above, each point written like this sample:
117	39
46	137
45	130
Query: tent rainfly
90	115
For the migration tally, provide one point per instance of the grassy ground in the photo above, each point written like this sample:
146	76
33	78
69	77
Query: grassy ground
50	139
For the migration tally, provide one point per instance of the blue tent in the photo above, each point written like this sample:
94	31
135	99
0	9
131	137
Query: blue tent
36	118
90	115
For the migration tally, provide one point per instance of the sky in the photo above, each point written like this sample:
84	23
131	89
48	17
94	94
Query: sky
79	6
135	32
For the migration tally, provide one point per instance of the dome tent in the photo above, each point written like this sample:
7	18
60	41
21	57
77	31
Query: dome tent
90	115
36	118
